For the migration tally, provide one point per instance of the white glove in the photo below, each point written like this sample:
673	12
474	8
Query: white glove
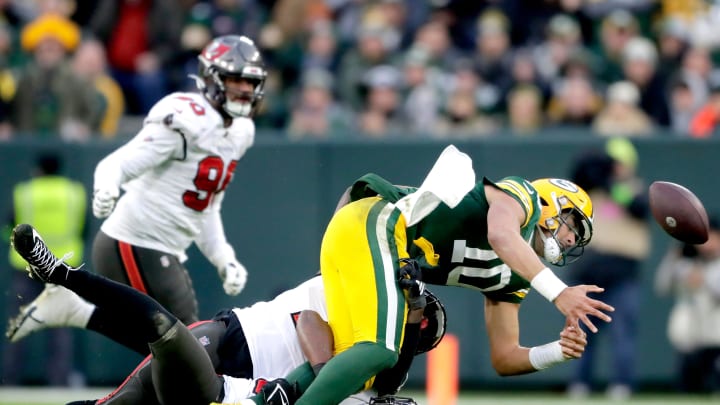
104	201
234	277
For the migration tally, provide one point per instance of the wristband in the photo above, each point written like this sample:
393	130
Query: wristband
548	284
547	355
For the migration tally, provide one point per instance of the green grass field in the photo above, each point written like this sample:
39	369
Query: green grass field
43	396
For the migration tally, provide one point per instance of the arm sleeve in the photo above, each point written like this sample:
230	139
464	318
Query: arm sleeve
390	380
154	144
212	241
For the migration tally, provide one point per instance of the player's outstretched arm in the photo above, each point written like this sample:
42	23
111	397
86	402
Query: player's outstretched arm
510	358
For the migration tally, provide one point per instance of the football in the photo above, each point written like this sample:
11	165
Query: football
679	212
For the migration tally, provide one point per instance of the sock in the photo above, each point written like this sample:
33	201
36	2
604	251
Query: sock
128	308
347	372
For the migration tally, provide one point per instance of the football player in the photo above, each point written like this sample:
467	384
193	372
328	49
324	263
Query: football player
247	347
174	173
489	236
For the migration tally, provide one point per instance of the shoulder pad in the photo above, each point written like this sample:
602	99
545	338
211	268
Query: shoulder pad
522	191
186	112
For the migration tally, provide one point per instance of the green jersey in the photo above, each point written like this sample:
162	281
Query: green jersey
451	244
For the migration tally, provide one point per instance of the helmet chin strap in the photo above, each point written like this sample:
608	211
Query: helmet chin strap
551	249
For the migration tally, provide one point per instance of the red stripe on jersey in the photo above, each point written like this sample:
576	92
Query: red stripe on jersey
131	267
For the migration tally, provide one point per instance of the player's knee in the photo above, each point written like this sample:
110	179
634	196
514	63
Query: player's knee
163	323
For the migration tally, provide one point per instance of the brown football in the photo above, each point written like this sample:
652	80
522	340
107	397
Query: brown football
679	212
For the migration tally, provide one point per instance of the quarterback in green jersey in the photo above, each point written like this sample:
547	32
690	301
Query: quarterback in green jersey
485	235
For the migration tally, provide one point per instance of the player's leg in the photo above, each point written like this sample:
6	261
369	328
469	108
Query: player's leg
182	372
359	261
155	273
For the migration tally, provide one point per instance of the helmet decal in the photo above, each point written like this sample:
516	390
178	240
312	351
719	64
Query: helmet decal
215	51
565	185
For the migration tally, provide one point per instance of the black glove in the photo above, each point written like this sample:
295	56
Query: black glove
410	279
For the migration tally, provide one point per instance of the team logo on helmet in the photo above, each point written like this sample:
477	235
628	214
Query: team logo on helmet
565	185
216	50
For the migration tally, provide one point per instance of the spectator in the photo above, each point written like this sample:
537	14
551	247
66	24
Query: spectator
461	119
685	101
672	38
524	73
316	114
691	275
464	78
51	99
621	114
493	53
639	64
382	115
90	64
321	48
574	103
422	90
621	243
616	29
704	123
141	37
56	205
562	40
375	45
434	38
525	114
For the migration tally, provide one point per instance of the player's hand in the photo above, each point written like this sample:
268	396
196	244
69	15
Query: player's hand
410	279
573	341
234	277
104	201
574	303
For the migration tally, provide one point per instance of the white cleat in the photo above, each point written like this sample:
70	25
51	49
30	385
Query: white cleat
55	307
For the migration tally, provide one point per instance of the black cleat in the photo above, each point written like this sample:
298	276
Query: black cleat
42	263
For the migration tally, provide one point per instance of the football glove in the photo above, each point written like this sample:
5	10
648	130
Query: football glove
410	279
104	201
234	277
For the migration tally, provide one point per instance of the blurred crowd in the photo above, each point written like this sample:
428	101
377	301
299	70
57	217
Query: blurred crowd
444	69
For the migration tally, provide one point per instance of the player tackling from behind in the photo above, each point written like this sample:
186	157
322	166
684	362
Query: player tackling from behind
174	173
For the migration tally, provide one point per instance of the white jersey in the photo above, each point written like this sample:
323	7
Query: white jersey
173	173
269	328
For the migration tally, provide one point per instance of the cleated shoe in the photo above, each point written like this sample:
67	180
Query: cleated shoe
55	307
42	263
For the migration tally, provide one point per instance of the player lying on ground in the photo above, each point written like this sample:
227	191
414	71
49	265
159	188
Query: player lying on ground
248	345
